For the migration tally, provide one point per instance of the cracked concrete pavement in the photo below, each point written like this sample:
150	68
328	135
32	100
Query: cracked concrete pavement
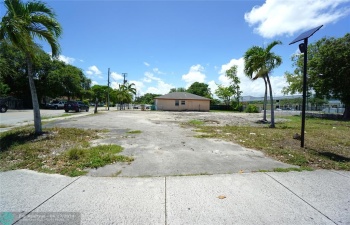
165	148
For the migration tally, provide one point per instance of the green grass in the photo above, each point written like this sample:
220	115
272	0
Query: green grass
58	150
327	142
195	123
4	126
59	116
134	132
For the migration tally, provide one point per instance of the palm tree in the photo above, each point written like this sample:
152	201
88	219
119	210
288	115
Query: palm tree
258	63
20	25
125	92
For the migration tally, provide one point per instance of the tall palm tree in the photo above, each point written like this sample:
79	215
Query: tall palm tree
125	92
258	63
20	25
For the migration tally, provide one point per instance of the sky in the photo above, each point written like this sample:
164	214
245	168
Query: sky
167	44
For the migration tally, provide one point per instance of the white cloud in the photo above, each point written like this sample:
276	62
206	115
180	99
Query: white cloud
276	17
213	86
94	83
157	71
146	64
149	77
195	74
115	84
139	86
161	88
116	76
253	88
93	70
66	59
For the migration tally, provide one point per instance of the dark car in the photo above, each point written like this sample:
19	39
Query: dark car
3	107
77	106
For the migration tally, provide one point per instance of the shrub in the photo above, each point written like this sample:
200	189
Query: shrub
252	109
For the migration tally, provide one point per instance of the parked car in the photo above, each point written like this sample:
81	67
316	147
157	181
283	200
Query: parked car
77	106
3	107
56	104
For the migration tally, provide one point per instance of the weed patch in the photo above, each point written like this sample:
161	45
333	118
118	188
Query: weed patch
327	143
58	150
134	132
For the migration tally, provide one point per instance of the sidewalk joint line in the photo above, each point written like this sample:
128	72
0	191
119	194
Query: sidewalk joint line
301	198
46	200
166	215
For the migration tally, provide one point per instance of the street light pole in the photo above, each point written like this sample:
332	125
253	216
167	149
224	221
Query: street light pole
303	49
304	92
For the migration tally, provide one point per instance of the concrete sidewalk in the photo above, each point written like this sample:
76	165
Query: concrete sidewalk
317	197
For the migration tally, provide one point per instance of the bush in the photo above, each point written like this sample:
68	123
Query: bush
252	109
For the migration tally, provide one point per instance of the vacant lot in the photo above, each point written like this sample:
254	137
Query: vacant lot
187	143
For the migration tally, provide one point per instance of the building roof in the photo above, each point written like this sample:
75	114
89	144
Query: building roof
182	96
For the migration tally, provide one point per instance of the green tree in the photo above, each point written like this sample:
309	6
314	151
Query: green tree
100	94
180	89
147	98
13	70
125	94
258	63
234	83
225	93
20	25
200	89
331	58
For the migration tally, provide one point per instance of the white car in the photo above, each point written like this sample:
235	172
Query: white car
56	105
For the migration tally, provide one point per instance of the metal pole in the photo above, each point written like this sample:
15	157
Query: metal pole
304	95
108	91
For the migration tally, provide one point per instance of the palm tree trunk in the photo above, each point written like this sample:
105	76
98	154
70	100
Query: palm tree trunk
272	108
35	102
265	100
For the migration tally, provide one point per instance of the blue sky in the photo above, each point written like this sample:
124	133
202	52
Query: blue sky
165	44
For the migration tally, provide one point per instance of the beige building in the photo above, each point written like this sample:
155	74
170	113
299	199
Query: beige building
182	101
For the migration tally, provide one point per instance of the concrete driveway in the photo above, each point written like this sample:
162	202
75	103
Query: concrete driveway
165	148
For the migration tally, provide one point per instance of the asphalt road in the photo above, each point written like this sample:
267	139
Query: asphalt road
14	118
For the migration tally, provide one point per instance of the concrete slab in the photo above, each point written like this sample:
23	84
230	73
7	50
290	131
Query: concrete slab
23	190
112	200
164	148
253	198
327	191
341	172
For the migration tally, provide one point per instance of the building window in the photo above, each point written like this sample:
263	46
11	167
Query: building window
183	102
176	102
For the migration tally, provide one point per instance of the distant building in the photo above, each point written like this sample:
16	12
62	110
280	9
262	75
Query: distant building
182	101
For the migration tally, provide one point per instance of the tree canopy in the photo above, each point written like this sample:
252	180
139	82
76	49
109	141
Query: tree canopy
53	78
225	93
200	89
147	98
180	89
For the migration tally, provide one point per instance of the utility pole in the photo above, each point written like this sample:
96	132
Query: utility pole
108	91
124	74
